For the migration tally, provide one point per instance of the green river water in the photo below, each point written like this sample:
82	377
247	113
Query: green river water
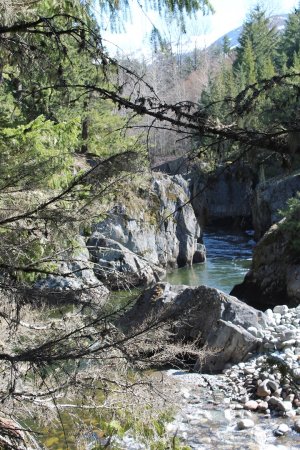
228	259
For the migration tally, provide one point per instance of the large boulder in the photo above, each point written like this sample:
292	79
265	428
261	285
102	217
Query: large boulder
201	314
156	223
274	277
118	267
269	198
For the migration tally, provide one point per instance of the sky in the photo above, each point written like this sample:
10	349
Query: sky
201	31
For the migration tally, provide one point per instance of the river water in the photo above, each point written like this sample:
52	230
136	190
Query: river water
228	259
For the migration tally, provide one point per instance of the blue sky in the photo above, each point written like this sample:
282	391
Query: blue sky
201	31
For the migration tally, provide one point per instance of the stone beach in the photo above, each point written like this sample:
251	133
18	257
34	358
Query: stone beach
252	405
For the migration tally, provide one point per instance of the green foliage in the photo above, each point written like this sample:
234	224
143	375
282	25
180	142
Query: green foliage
243	91
150	431
257	47
38	154
290	42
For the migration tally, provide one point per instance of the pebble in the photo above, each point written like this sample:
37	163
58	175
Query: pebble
273	385
245	424
263	406
281	309
185	393
296	373
281	430
291	413
251	405
262	389
253	331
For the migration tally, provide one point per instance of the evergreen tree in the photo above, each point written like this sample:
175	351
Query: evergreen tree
290	42
226	48
257	46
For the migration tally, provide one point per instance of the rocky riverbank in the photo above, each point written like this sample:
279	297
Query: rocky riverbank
254	404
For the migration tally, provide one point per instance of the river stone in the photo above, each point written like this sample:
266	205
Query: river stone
253	330
279	404
251	405
262	389
273	385
245	424
263	406
281	430
201	313
296	373
281	309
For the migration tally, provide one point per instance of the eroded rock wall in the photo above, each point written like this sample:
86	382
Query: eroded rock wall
274	278
269	198
160	227
223	197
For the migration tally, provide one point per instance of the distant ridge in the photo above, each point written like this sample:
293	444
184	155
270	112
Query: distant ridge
278	21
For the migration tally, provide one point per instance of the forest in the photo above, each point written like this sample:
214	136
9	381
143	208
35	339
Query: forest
81	134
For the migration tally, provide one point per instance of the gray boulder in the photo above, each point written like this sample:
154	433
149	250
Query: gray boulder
231	344
118	267
202	314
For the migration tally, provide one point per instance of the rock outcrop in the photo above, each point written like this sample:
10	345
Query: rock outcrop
274	279
77	281
118	267
269	198
201	314
158	224
154	228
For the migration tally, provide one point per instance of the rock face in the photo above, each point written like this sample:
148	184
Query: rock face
77	280
270	197
153	229
224	197
273	279
175	166
160	225
118	267
206	314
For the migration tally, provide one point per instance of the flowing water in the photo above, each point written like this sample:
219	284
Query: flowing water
206	420
228	260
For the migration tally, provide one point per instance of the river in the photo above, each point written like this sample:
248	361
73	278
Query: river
228	259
